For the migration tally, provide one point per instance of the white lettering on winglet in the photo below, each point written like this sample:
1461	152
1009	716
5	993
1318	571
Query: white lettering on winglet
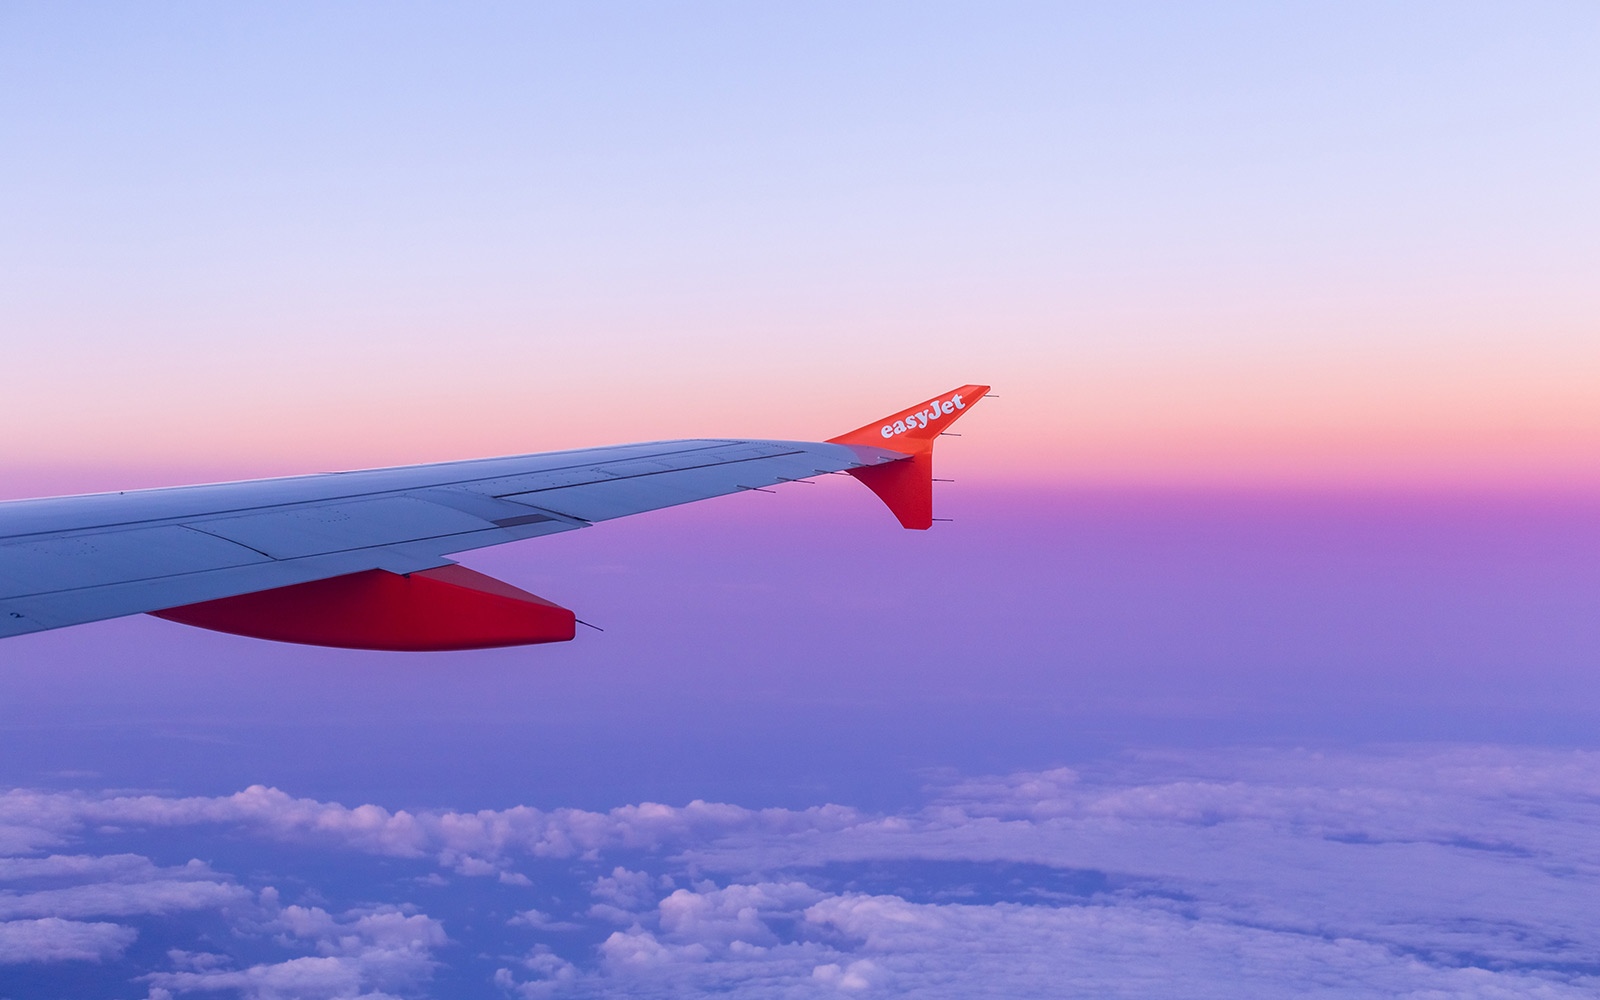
920	419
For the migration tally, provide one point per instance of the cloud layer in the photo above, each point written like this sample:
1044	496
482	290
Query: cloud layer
1414	872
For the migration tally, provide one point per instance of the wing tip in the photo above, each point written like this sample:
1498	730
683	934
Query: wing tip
906	485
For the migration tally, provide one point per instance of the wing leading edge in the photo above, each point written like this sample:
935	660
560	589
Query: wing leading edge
360	559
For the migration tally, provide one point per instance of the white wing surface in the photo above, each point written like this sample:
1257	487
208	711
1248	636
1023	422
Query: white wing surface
69	560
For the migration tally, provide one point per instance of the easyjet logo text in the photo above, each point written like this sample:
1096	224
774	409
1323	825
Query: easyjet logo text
917	421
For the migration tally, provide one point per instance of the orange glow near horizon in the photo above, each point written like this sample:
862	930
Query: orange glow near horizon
1454	421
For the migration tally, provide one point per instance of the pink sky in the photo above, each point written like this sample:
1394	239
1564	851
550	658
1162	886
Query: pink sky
1180	254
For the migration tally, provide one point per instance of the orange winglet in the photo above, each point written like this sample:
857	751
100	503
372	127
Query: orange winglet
906	485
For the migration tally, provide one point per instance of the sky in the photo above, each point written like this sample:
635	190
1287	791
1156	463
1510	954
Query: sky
1336	242
1260	655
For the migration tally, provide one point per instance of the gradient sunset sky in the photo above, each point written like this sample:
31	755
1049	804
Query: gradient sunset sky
1260	657
1341	243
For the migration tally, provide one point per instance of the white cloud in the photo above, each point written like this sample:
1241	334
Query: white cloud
541	921
107	867
197	961
307	978
51	939
884	945
721	917
855	976
551	975
116	899
1420	873
361	953
637	947
1016	950
471	842
626	890
1455	872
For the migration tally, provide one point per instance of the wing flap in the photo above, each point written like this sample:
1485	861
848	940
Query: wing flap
76	561
334	527
654	489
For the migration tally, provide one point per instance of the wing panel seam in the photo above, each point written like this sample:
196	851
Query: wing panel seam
183	519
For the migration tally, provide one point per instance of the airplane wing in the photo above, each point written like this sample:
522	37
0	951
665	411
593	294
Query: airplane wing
360	559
